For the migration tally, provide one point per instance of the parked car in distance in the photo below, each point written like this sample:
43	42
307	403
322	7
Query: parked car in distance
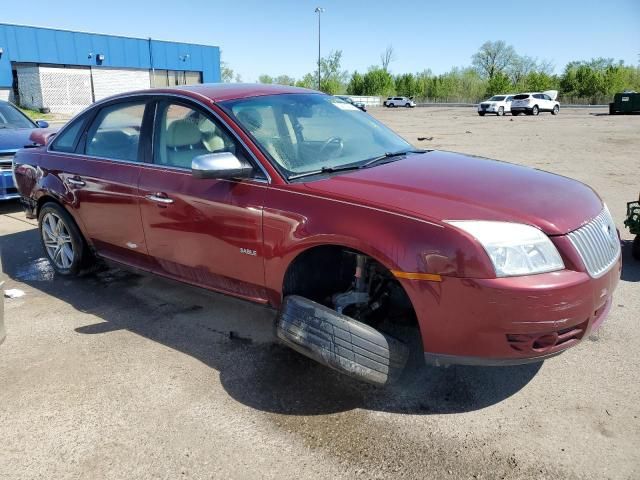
350	100
534	103
625	103
369	248
498	104
16	130
399	102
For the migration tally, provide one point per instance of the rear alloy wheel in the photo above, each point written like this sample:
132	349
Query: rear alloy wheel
534	110
555	110
501	111
61	239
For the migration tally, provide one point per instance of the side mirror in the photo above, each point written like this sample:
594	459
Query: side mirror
221	165
42	123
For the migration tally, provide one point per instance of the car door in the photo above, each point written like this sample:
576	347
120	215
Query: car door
101	175
207	232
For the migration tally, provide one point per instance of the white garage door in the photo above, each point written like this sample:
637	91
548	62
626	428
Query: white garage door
111	81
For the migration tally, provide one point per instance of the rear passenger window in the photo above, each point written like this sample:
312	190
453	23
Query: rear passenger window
115	133
66	141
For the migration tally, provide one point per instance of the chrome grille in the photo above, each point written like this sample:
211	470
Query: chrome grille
597	243
6	162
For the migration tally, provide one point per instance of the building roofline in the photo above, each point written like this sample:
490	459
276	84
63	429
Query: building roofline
105	34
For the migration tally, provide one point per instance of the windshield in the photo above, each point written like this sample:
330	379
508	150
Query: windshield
309	132
11	117
497	98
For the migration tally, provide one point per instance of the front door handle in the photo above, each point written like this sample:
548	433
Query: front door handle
159	198
76	182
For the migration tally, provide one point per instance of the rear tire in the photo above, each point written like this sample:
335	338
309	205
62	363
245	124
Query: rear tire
535	110
61	240
612	109
340	342
481	114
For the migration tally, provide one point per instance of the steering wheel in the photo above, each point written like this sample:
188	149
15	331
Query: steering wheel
332	142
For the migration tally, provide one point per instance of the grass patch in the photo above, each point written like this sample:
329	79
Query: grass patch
36	115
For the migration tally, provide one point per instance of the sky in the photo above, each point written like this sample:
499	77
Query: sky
281	37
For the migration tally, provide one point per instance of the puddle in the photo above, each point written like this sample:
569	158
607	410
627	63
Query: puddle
37	270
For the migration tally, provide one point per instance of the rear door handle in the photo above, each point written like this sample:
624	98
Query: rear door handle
159	198
76	182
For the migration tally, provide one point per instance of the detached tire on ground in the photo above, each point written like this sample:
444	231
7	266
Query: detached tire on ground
340	342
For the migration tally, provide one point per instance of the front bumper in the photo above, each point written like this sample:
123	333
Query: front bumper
493	109
506	321
8	188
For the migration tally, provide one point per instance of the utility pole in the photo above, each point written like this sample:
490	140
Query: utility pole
319	11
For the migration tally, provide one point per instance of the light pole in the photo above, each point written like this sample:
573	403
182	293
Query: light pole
319	11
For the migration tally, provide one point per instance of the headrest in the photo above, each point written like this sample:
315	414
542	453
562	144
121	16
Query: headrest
182	133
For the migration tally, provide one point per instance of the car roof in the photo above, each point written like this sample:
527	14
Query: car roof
219	92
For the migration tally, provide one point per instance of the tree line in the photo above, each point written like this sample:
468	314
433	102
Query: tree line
495	68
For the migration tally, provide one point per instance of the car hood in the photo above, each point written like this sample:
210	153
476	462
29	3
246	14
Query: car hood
440	186
12	139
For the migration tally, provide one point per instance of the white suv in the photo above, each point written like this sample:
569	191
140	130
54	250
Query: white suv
399	102
498	104
534	103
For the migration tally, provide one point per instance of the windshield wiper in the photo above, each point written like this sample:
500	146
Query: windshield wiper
342	168
389	155
355	166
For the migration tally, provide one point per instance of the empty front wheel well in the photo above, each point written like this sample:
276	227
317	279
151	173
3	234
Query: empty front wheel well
327	274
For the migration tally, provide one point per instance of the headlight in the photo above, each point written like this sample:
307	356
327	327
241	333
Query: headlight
514	248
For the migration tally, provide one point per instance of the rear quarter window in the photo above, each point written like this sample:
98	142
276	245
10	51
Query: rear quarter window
66	140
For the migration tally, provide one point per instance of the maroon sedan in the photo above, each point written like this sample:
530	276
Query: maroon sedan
368	247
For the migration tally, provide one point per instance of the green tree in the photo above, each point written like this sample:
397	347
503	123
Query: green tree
377	81
265	79
284	80
356	84
406	85
308	81
332	77
226	72
539	82
493	58
500	83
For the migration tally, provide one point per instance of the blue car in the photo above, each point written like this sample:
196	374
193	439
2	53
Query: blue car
15	133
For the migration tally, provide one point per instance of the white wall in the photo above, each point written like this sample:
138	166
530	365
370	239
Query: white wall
6	94
111	81
65	90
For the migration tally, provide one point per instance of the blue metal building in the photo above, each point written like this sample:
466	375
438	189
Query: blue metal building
65	71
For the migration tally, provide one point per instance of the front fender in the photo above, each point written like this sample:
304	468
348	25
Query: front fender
294	221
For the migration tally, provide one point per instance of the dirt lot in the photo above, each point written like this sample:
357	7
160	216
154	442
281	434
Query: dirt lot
121	376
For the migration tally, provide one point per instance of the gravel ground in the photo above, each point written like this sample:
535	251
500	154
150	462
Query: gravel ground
117	375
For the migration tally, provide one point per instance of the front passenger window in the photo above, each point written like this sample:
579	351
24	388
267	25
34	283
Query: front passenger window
184	133
115	133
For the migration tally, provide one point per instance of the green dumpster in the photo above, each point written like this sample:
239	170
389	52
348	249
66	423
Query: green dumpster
626	102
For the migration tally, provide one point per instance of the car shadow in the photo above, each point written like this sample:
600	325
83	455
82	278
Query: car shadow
236	339
10	206
630	266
